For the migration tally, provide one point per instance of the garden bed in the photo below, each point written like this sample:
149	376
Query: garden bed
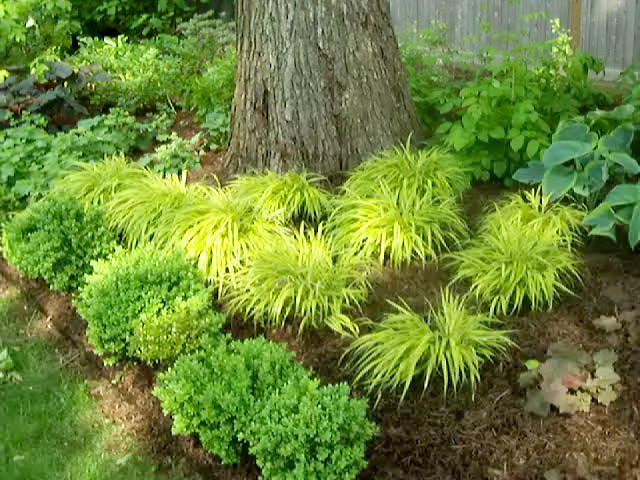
429	436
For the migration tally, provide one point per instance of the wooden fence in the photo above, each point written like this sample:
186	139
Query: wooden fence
608	29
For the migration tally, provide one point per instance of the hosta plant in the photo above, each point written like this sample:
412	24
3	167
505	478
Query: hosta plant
304	276
433	171
449	341
569	380
621	206
216	391
397	226
311	432
290	197
146	304
523	254
57	239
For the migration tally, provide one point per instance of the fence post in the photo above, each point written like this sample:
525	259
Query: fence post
576	21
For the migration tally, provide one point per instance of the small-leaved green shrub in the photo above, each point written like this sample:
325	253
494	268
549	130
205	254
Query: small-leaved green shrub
57	239
449	342
146	304
523	254
311	432
293	196
216	391
303	277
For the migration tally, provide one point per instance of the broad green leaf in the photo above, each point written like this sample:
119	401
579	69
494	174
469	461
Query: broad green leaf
61	69
517	143
532	148
499	168
596	174
624	214
620	113
497	132
623	195
563	151
443	128
634	227
532	173
581	186
557	181
627	162
532	364
572	131
618	140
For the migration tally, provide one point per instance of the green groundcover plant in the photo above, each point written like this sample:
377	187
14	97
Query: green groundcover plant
57	239
523	254
146	304
449	341
303	277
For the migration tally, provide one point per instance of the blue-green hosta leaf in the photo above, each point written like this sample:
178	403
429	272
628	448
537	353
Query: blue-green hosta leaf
634	227
558	180
624	214
573	132
623	195
602	222
597	175
621	113
627	162
619	140
563	151
530	174
581	186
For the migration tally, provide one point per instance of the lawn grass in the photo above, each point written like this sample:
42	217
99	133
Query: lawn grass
50	427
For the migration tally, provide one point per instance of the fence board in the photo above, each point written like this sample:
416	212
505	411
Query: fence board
609	29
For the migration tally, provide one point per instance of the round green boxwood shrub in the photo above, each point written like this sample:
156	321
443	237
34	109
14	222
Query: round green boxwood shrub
215	391
57	239
311	432
146	304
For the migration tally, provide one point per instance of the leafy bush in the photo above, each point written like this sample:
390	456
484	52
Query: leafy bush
213	89
175	156
524	252
57	239
146	304
142	75
293	196
585	153
430	172
32	160
30	27
503	112
216	391
311	432
449	341
304	277
397	226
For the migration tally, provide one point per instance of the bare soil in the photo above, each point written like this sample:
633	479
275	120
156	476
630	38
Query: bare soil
489	436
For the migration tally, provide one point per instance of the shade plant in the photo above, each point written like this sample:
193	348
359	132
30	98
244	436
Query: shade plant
304	277
146	304
449	342
57	239
524	253
293	196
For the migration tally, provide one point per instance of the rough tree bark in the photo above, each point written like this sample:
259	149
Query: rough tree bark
319	85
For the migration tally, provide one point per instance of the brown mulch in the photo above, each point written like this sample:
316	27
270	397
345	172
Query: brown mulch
427	436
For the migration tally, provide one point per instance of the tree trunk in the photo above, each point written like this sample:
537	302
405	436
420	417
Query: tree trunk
319	85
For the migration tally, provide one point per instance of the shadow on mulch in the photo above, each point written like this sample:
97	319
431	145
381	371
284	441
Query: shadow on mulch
427	436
